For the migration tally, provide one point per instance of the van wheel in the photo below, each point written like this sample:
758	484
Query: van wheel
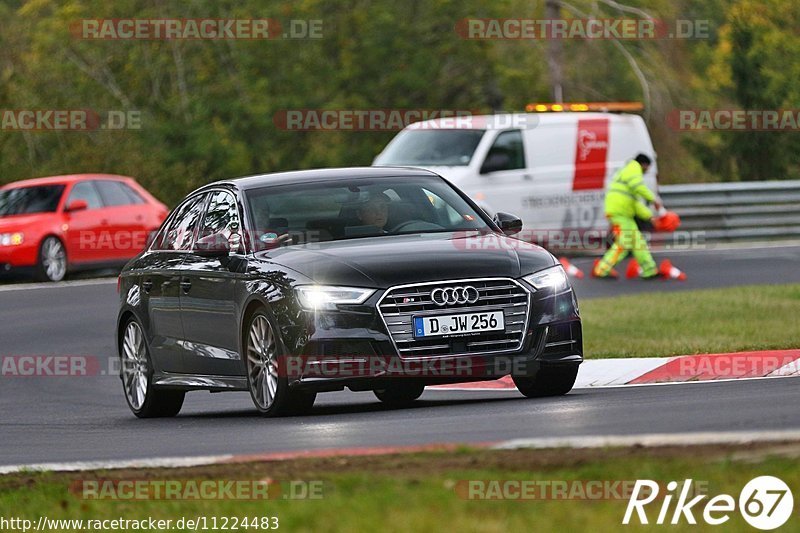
555	380
52	263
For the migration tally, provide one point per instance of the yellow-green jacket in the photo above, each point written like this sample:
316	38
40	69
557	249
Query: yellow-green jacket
624	192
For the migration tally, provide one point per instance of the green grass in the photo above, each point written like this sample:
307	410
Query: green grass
419	492
685	323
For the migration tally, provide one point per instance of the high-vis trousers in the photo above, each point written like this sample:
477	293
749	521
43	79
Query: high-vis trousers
627	239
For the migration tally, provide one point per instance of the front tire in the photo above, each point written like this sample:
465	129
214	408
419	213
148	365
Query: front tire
555	380
268	385
52	263
144	400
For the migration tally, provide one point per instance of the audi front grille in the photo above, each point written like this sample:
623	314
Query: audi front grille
401	304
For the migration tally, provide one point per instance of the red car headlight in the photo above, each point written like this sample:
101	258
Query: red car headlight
11	239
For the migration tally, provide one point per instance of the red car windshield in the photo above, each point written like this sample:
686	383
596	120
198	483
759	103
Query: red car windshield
30	200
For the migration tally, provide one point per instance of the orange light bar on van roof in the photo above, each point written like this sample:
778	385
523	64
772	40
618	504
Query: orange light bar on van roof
609	107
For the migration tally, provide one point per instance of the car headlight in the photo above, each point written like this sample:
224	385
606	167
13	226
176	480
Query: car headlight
11	239
322	297
551	278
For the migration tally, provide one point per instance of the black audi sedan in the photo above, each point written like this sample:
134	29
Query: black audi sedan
375	279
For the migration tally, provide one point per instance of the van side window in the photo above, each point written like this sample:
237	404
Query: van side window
506	153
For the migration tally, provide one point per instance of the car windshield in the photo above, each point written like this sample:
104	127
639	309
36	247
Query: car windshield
30	200
354	208
431	148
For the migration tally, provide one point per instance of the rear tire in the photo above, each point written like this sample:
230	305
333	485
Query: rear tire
52	262
554	380
136	371
399	394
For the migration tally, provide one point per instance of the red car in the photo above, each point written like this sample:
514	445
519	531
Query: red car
62	223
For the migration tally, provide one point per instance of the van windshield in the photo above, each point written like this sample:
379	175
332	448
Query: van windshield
452	148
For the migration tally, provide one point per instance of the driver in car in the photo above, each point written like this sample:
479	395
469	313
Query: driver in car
375	211
266	239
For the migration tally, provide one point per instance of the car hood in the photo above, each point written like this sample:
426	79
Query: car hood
382	262
21	222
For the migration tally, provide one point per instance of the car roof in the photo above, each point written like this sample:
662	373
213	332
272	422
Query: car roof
64	180
320	175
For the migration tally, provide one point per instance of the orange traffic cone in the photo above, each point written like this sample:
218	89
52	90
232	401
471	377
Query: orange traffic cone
634	270
668	271
571	269
612	274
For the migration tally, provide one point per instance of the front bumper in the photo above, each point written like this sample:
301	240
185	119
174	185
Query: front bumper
352	348
13	257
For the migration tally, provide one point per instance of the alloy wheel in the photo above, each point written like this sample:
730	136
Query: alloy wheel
54	259
262	362
135	377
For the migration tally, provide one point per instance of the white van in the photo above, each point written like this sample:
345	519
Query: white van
550	169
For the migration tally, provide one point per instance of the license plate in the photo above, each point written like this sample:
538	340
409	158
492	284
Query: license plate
469	323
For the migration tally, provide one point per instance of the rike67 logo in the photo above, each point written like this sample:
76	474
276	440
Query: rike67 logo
765	503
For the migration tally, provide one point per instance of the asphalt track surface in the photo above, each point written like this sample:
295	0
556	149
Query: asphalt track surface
54	419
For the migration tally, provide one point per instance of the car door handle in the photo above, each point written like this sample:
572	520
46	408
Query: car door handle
186	284
147	285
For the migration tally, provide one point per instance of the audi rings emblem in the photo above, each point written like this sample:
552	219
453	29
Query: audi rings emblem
455	295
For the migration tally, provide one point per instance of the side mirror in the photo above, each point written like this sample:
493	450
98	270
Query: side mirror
495	161
214	245
509	224
76	205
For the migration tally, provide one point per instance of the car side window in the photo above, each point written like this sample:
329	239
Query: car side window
133	196
115	193
86	191
178	235
221	215
507	152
